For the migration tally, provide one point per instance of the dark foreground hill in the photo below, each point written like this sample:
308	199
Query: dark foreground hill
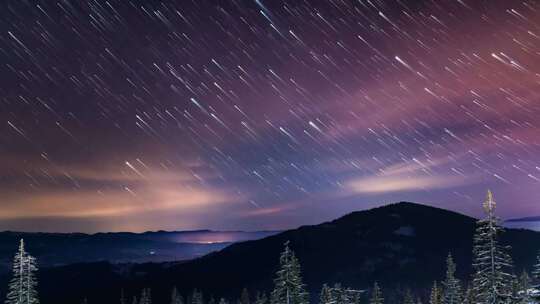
399	245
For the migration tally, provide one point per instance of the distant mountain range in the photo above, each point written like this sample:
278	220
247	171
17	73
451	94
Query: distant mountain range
55	249
525	219
402	245
530	222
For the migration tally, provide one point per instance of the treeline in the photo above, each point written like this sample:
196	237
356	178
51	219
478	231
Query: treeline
493	281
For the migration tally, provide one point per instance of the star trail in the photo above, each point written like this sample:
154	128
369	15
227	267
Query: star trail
146	115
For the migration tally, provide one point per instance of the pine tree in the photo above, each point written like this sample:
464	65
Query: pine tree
342	295
353	296
515	293
470	296
146	296
288	286
536	268
408	298
22	287
376	295
338	294
326	295
452	287
492	278
176	298
197	297
122	297
435	297
524	288
261	298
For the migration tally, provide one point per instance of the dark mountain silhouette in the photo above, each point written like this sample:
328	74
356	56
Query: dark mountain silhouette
399	245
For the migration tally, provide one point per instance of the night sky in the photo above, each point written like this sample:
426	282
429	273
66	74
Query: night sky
266	114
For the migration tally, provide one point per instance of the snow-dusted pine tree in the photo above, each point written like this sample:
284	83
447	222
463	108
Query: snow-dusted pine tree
524	288
146	296
261	298
288	286
122	297
347	295
31	280
536	268
408	297
376	295
452	286
326	295
435	296
492	280
469	297
342	295
22	287
338	294
197	297
176	297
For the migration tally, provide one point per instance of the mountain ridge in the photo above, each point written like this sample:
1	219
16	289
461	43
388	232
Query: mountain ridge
398	245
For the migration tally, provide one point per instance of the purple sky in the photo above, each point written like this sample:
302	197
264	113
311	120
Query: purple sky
144	115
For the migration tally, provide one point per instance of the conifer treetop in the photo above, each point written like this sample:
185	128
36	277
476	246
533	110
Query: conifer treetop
489	203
